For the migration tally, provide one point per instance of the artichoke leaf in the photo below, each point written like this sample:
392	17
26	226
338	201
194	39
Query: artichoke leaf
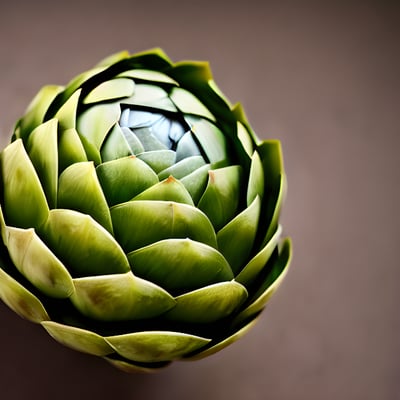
270	284
196	182
187	146
256	179
96	122
273	211
196	77
110	90
24	202
182	168
248	134
148	75
38	263
123	179
116	145
158	160
3	227
78	339
271	155
36	110
140	223
147	95
180	265
215	88
80	190
154	59
149	141
236	238
120	297
92	152
245	139
134	144
275	183
208	304
21	300
214	348
155	346
80	80
70	149
42	150
67	113
188	103
169	189
220	200
82	244
191	72
94	76
211	139
257	263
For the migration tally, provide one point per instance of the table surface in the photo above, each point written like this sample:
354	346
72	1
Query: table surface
323	77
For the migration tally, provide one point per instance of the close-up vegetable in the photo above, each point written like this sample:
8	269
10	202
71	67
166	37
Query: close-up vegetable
140	213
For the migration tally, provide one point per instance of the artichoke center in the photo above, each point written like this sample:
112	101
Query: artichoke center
159	131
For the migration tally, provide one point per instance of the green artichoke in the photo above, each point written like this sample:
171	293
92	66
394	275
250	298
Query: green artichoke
139	214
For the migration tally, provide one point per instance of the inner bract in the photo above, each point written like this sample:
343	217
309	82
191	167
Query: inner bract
146	130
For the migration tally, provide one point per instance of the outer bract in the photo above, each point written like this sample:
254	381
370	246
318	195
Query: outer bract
140	214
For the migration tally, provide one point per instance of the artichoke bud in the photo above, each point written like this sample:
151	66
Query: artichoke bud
140	214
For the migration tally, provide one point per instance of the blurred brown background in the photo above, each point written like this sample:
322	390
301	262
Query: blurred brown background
324	78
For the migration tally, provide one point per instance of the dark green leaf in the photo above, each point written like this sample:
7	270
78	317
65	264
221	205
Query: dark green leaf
226	341
275	183
257	263
269	285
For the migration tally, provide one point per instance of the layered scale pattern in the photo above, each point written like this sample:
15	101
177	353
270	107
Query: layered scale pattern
140	214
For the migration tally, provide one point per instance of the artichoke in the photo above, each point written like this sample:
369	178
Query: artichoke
139	214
